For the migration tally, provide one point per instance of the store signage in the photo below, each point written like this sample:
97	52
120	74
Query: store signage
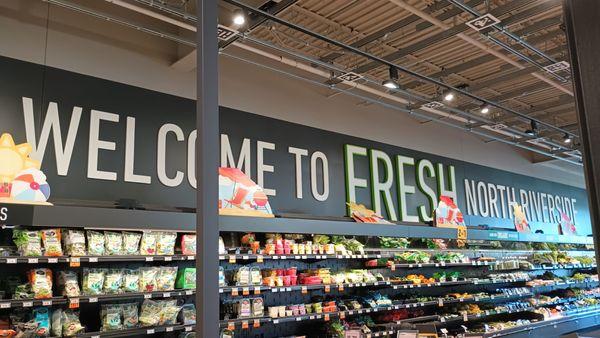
101	140
3	214
11	214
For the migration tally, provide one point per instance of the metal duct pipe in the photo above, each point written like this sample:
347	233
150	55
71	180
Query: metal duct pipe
324	74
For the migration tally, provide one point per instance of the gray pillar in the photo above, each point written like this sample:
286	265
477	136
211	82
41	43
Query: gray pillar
207	146
583	34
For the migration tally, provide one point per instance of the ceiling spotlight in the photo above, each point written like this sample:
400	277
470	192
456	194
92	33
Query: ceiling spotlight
567	138
533	129
449	96
392	82
238	17
485	109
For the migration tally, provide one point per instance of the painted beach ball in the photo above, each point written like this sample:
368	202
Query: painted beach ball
30	185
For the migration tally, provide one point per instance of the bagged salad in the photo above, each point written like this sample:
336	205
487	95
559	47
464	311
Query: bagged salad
70	323
188	244
131	243
113	281
74	242
130	315
113	243
110	315
52	242
29	243
148	244
95	243
67	282
131	280
165	278
93	281
148	279
41	283
165	243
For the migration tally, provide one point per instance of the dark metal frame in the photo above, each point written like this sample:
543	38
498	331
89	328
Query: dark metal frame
583	35
207	126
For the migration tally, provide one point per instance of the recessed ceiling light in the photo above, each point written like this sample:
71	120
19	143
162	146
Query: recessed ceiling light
449	96
238	17
485	109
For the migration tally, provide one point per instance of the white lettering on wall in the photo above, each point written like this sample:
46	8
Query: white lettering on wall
129	175
262	167
381	189
298	153
228	160
318	156
471	197
51	124
161	155
95	144
404	188
353	182
191	158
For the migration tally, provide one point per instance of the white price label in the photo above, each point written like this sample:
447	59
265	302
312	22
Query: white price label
93	300
275	321
298	319
169	329
188	328
147	296
52	260
191	258
167	294
11	261
32	260
93	259
189	292
168	258
46	302
5	305
28	304
150	331
150	259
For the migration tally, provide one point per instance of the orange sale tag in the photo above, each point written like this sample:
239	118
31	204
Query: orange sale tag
256	323
245	291
326	317
74	303
234	292
245	324
230	326
257	290
259	258
341	287
304	290
327	288
74	262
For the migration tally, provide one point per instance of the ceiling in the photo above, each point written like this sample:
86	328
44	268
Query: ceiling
431	46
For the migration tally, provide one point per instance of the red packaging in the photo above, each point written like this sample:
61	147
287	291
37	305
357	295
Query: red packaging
293	280
286	281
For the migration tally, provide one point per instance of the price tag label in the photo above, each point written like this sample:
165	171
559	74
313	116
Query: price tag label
27	304
74	262
188	328
189	292
275	257
169	329
11	261
304	257
465	317
298	319
256	323
150	331
231	326
32	260
5	305
443	263
149	259
73	303
191	258
245	291
288	289
342	315
275	321
341	288
327	288
304	290
168	258
311	317
440	302
283	257
52	260
245	324
393	267
46	302
93	259
259	258
93	300
166	294
147	296
461	232
232	259
245	257
326	317
95	336
234	291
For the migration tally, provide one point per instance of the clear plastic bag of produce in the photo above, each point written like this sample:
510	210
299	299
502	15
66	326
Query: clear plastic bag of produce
148	279
52	242
93	281
150	313
70	323
74	242
131	280
165	243
68	283
113	281
148	244
165	278
110	315
130	315
188	244
113	243
95	243
41	283
131	243
29	243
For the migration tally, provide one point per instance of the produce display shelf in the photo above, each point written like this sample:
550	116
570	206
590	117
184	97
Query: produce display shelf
442	264
94	259
232	258
138	331
560	266
412	230
74	301
257	289
557	325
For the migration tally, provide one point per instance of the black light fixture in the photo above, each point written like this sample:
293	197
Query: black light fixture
567	138
392	82
239	18
532	131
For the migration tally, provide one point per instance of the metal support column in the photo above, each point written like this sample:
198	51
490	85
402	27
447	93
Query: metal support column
207	147
583	34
